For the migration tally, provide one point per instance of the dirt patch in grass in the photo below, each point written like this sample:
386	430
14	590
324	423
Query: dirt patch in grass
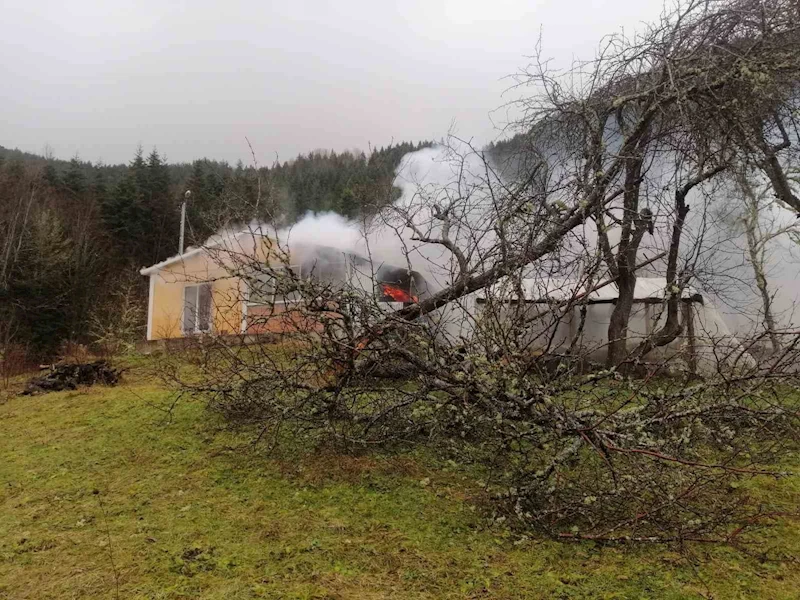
319	468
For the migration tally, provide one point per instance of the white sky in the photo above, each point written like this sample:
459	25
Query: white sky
194	79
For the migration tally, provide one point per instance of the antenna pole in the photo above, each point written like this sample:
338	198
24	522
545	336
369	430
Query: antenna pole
186	197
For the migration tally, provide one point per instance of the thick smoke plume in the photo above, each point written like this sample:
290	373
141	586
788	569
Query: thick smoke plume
455	175
427	178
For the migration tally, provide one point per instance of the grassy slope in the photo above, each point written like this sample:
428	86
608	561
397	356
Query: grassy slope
186	518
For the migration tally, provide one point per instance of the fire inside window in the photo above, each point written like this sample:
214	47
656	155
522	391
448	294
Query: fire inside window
393	293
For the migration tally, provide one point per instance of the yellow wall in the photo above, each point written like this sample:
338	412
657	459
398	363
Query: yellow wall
228	293
167	287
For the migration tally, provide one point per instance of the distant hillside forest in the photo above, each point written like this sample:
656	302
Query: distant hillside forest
73	234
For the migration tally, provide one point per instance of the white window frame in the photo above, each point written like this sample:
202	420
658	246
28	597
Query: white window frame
196	288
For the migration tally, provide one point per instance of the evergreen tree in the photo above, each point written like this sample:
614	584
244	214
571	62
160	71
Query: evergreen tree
39	283
50	177
207	186
75	179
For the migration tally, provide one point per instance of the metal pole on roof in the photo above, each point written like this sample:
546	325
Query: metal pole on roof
186	197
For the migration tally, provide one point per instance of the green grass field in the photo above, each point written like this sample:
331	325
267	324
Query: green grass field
102	497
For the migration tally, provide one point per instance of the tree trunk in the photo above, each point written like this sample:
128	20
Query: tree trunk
756	249
673	327
756	259
618	326
623	266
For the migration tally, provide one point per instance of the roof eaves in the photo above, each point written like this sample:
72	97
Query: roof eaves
190	253
170	261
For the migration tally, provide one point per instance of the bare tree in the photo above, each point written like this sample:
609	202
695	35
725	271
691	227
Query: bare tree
761	227
464	315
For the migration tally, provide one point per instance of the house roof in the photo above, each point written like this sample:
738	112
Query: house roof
213	242
560	290
230	242
191	251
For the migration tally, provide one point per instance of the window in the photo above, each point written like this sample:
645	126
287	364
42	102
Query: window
276	287
396	285
197	308
327	272
266	288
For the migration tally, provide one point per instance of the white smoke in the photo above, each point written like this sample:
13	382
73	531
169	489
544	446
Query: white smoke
742	304
431	176
324	229
424	176
455	175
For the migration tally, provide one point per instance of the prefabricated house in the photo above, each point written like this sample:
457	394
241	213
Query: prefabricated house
201	291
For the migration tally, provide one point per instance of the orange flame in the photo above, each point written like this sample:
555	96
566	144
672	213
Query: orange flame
397	294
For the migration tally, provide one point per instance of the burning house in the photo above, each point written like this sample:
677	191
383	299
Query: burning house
219	289
209	289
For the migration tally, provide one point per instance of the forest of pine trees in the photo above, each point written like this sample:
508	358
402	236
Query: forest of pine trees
73	234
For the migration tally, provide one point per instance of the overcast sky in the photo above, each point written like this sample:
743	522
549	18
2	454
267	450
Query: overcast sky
194	79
